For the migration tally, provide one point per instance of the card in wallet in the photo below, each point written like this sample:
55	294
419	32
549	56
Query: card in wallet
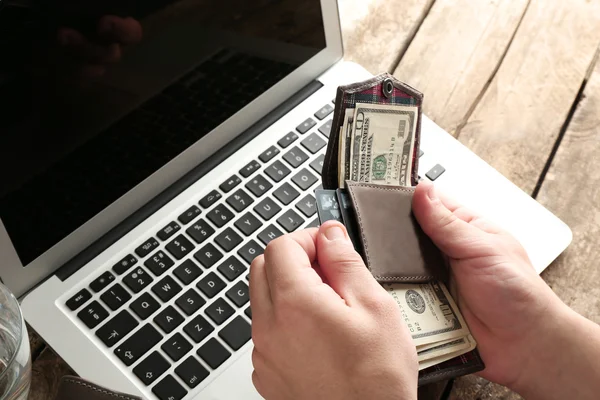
391	242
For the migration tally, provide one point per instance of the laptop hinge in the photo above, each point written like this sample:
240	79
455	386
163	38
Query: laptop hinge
184	182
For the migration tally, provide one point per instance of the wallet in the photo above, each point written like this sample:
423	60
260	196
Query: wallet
393	245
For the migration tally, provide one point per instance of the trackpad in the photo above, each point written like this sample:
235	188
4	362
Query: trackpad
234	383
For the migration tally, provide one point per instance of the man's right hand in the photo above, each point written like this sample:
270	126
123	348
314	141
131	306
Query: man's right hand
506	304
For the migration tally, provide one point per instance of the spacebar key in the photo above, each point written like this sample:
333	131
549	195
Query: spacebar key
138	344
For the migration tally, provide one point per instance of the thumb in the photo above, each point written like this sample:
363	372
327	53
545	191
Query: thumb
452	235
343	267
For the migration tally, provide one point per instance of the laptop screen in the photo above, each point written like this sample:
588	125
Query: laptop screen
95	96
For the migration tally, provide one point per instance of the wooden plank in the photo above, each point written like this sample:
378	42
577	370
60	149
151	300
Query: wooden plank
455	53
520	115
572	191
376	32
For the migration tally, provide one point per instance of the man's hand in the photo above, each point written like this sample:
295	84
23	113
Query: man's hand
90	58
507	306
322	327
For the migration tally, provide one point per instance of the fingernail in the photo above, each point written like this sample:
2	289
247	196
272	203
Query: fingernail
335	233
432	193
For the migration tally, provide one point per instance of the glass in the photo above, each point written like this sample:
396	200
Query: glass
15	355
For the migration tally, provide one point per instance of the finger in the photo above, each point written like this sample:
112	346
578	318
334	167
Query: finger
341	265
454	236
126	31
80	48
288	262
260	295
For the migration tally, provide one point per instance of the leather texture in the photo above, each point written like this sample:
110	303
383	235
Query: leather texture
76	388
395	247
370	91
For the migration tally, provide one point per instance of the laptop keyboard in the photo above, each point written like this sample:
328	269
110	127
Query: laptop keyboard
188	280
181	288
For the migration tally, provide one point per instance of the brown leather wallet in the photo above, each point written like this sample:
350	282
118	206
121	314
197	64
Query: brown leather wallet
76	388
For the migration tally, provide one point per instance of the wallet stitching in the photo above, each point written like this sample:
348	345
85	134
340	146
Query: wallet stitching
97	389
366	246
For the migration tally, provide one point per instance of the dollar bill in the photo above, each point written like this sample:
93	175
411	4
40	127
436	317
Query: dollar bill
440	359
344	148
383	139
428	311
447	347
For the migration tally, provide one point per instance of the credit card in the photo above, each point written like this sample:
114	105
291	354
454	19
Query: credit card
327	206
349	217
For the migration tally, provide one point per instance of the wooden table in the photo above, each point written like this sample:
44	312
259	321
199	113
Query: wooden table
516	81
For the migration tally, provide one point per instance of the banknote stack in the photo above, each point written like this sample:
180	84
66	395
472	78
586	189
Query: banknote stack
376	145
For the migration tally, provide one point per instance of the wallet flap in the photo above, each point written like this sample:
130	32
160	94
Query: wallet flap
381	89
395	247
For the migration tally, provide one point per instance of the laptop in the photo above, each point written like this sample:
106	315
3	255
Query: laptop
132	203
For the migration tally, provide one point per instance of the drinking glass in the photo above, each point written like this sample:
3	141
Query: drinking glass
15	355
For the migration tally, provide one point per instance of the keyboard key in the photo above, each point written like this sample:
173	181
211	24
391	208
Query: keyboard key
317	163
250	251
231	268
92	314
238	294
144	306
219	311
306	125
290	220
268	154
287	140
307	205
248	312
189	215
159	263
295	157
304	179
190	302
191	372
314	223
230	184
102	281
168	231
211	285
286	193
248	224
117	328
176	347
324	111
122	266
314	143
236	333
145	249
208	255
169	389
115	297
168	319
166	289
325	129
421	152
259	185
277	171
220	215
228	239
138	344
250	168
267	209
179	247
200	231
137	279
151	368
214	353
210	199
435	172
198	329
239	200
76	301
269	233
187	272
